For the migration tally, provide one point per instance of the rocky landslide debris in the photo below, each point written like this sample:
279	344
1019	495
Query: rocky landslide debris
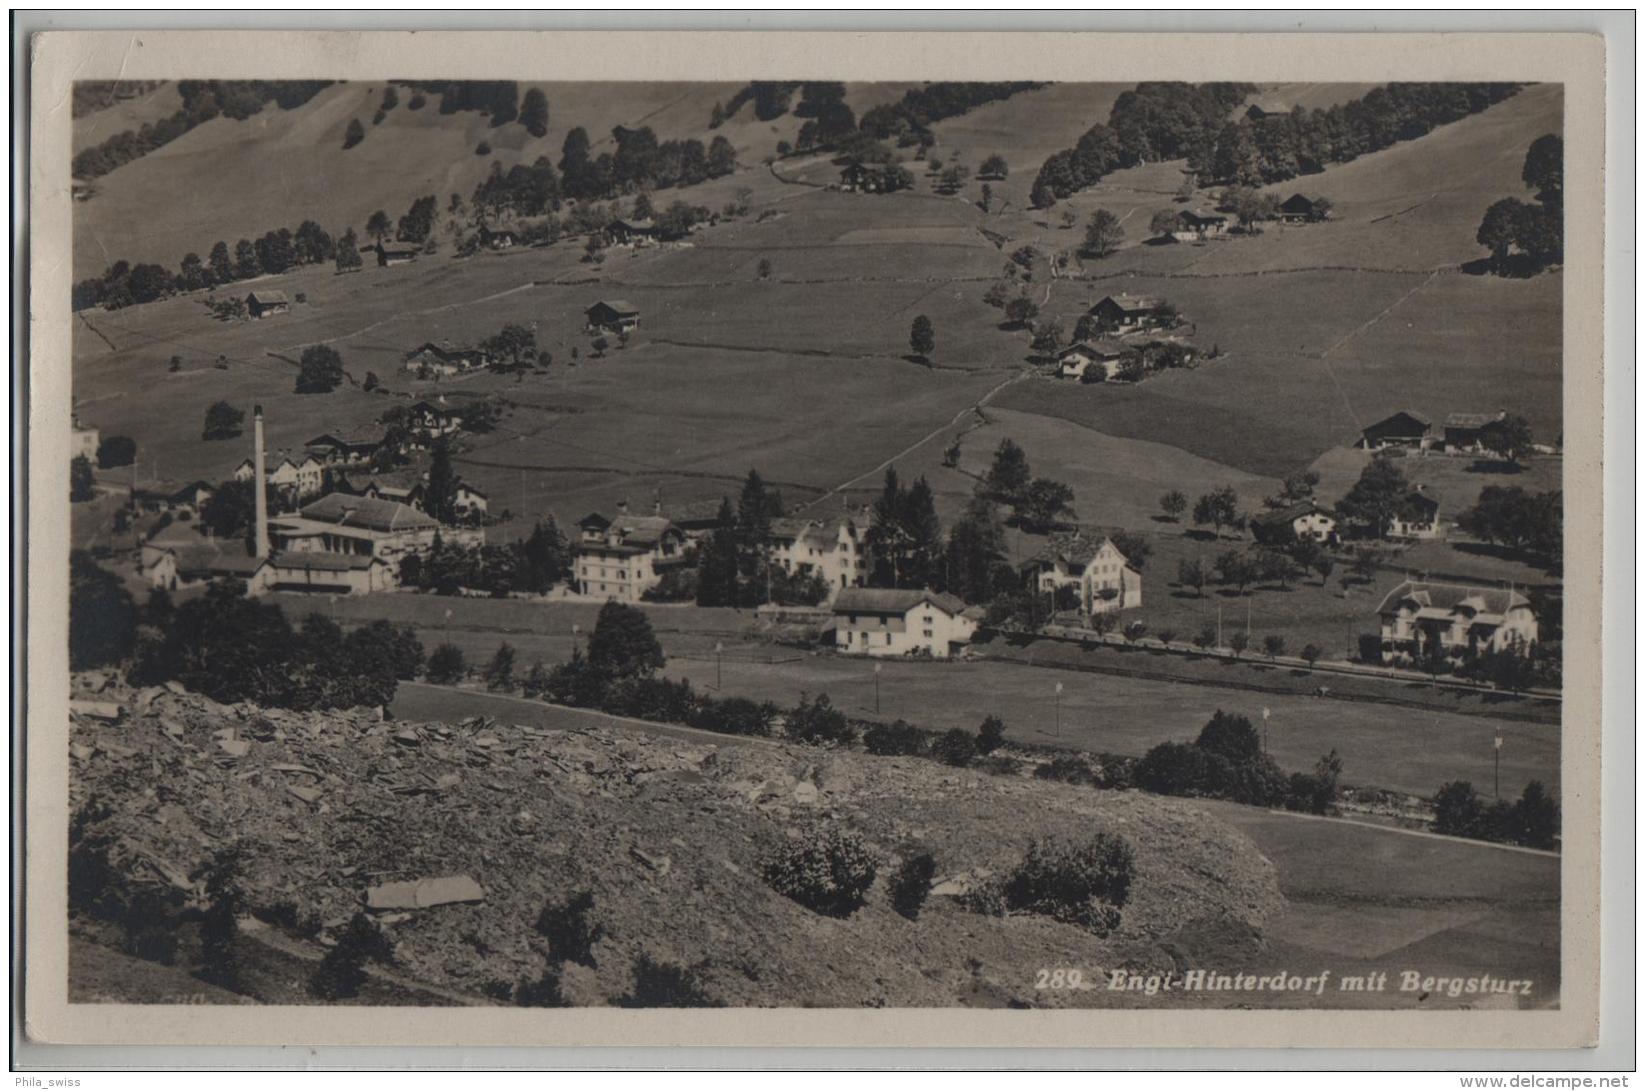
454	836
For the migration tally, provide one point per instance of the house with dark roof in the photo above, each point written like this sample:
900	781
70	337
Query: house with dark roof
1268	109
396	253
883	621
621	557
430	420
1307	521
1104	577
1468	431
363	526
323	574
1417	518
1299	209
1421	620
180	556
336	450
640	232
613	316
1194	226
444	358
1131	312
1092	361
498	240
1407	428
262	303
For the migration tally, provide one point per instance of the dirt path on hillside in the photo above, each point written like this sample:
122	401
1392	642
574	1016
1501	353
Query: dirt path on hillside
408	314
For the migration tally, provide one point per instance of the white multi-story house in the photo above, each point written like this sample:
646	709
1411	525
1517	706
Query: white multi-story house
882	621
1306	520
623	557
1103	575
1420	619
1417	517
837	552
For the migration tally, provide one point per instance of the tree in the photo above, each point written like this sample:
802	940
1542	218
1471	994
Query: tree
991	735
1173	504
102	616
379	226
1043	503
246	264
116	451
1163	223
994	167
356	133
722	160
1380	494
1103	233
764	269
1020	311
1191	573
222	421
1457	809
499	674
534	112
922	338
348	252
623	645
231	509
1509	437
1231	737
371	382
1219	508
1274	645
319	370
997	295
1544	170
973	562
1008	476
1238	642
1311	653
513	343
222	269
1324	565
446	665
440	497
987	196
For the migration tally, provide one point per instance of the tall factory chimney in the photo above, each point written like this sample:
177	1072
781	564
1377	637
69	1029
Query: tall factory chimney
259	485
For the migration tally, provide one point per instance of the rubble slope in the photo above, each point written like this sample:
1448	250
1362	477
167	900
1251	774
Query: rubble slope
669	836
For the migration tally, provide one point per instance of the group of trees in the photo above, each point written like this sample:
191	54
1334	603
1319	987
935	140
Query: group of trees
1228	761
123	284
202	101
639	161
830	120
1532	820
734	564
1038	503
499	98
1159	121
1526	238
320	370
1529	523
530	566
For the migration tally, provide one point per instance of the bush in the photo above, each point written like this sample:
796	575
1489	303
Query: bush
1083	883
733	716
150	928
342	972
991	735
482	148
219	927
956	746
911	885
819	722
571	936
899	739
116	451
541	993
828	870
999	765
446	665
102	616
1116	771
1067	769
665	985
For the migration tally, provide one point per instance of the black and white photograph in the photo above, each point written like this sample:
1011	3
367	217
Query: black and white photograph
838	543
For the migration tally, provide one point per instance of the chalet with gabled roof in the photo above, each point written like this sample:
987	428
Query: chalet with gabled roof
1407	428
613	316
264	302
1125	312
884	621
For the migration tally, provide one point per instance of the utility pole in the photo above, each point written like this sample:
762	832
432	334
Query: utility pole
575	629
1059	709
876	689
719	650
1265	714
1496	787
1219	625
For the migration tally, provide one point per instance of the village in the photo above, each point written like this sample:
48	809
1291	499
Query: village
852	448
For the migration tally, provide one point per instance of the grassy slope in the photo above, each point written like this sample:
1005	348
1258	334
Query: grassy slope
133	113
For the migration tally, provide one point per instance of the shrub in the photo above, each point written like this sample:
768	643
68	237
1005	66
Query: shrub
1116	771
733	716
541	993
116	451
1231	736
342	972
219	927
956	746
1457	809
1082	883
827	869
482	148
446	665
571	936
1067	769
991	735
911	885
899	739
999	765
1180	769
150	930
665	985
819	722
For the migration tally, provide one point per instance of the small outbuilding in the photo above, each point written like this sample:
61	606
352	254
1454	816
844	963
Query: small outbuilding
613	316
261	304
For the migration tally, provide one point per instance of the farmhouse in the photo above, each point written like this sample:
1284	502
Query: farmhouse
1305	521
396	253
1406	428
334	450
498	240
1468	431
1103	575
613	316
1267	110
412	495
1299	209
444	358
85	441
1417	517
881	621
1421	620
190	498
632	232
1090	361
469	501
624	557
835	552
179	556
860	178
264	303
1131	312
1193	226
432	421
